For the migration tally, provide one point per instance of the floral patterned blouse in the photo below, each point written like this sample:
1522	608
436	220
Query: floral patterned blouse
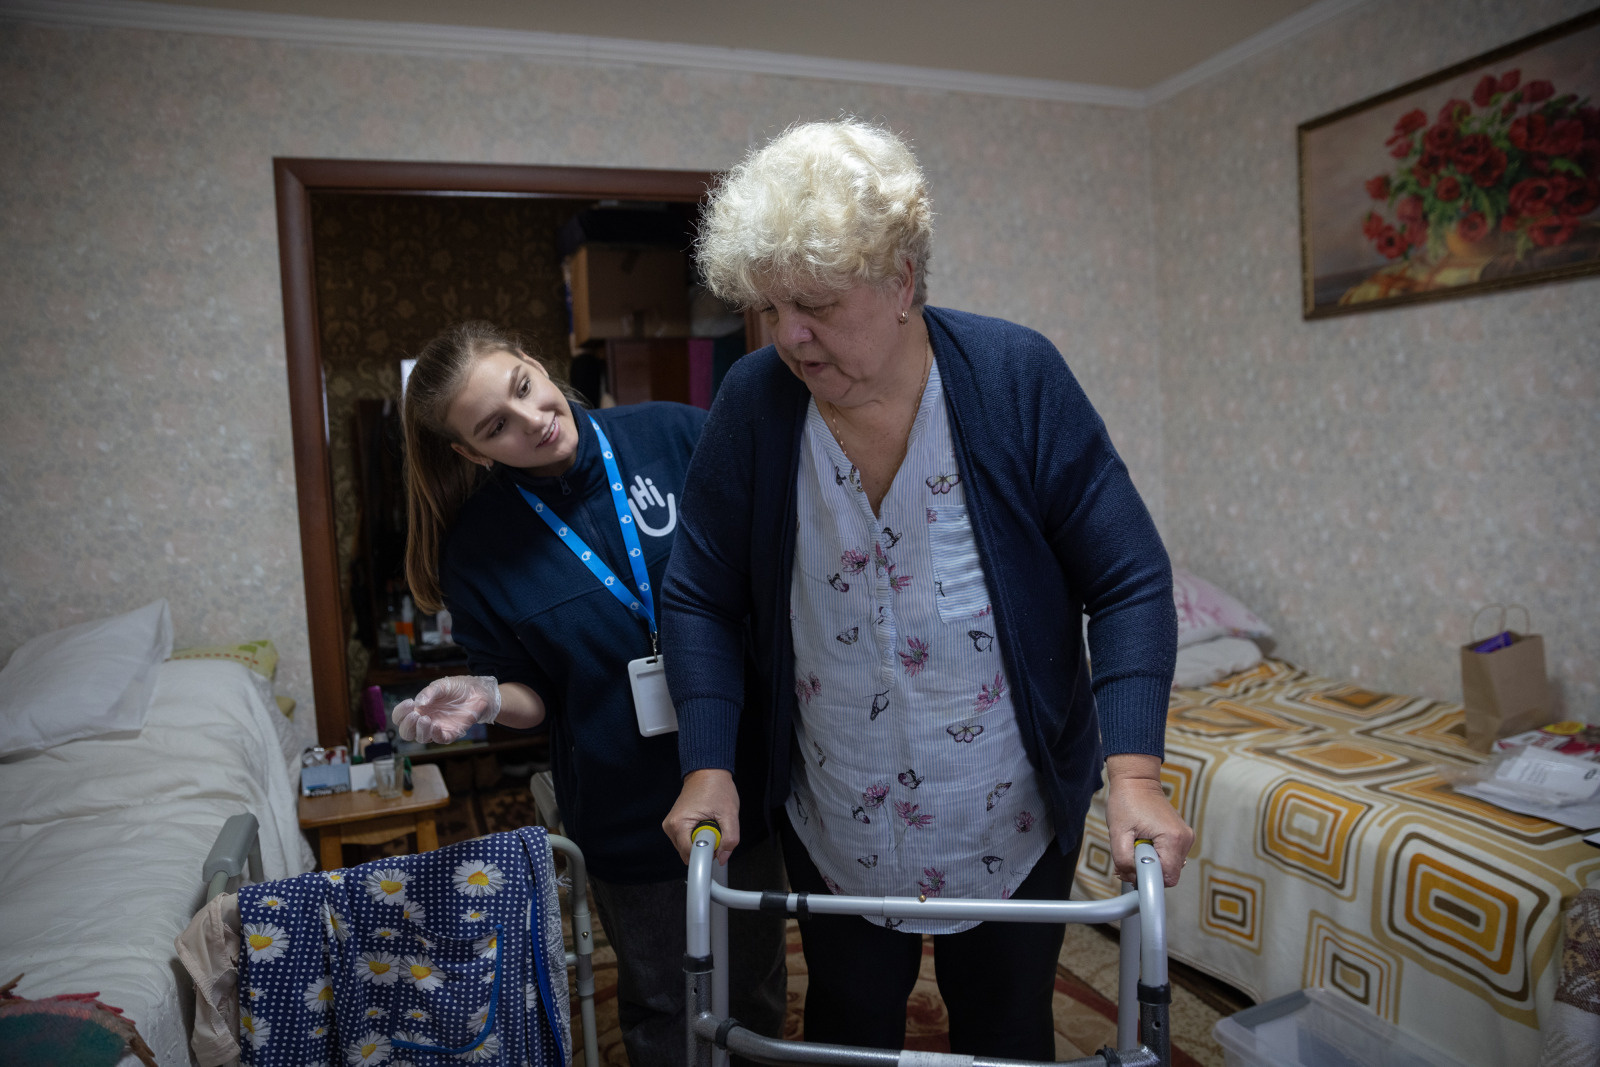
910	775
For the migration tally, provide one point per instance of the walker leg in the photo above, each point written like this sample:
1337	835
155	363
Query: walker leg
583	964
1155	988
1153	1023
591	1035
697	1002
697	958
1128	979
720	961
582	944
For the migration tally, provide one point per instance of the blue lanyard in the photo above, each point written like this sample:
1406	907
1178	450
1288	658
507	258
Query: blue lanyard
640	606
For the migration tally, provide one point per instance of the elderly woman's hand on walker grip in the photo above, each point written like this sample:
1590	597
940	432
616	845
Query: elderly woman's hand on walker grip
1137	809
707	794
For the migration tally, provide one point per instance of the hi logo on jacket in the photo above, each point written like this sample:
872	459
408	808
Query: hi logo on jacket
653	514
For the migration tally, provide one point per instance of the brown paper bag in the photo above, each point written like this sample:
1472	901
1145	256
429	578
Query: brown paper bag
1505	691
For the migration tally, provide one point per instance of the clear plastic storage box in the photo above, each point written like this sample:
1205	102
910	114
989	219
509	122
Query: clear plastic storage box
1315	1028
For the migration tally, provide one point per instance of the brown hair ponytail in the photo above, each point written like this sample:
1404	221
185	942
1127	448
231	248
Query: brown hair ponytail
438	479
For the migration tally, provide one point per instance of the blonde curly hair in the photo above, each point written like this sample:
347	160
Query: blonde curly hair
824	205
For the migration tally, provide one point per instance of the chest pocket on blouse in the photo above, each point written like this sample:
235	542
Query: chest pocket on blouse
960	591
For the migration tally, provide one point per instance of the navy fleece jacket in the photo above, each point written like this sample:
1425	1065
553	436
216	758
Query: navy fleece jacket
529	611
1060	530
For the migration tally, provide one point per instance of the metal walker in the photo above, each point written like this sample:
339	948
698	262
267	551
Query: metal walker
1144	994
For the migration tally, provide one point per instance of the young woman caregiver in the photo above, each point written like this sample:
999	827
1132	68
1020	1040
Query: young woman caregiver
545	529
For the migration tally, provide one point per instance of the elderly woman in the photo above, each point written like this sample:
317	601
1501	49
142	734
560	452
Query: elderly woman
911	509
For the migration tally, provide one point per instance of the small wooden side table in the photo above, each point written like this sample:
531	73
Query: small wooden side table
364	818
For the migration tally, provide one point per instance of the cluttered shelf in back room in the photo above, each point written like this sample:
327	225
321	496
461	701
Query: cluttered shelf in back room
421	674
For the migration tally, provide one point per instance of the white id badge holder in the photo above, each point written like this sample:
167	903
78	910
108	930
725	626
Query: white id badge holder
652	704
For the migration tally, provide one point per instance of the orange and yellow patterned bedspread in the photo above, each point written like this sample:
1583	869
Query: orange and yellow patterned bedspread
1330	852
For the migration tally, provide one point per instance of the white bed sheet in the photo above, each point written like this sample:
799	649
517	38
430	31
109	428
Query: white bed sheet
102	841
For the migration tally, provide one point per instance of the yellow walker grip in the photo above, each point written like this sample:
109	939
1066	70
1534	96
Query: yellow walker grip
708	824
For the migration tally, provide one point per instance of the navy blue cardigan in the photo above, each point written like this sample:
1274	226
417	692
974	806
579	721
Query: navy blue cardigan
1059	527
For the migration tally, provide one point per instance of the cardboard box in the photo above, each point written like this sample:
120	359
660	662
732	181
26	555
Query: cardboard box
627	291
649	370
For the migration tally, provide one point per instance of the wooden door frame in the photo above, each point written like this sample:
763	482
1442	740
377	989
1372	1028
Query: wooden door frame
295	181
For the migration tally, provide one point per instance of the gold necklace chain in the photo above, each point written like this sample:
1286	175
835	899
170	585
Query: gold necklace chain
833	420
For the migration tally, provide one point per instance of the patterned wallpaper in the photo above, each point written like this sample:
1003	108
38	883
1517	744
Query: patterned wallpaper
391	272
1366	482
1362	482
145	423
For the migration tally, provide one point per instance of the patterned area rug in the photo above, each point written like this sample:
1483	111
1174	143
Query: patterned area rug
1086	975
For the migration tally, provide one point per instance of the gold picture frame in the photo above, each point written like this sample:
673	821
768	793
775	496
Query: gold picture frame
1481	177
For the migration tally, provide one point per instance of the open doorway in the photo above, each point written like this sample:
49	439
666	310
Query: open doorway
376	258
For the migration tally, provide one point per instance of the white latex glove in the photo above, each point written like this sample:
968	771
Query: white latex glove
445	710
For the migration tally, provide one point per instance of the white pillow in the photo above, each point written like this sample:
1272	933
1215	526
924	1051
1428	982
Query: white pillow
1212	660
86	680
1204	612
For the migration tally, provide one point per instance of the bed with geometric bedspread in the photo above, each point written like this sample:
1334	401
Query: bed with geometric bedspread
1330	852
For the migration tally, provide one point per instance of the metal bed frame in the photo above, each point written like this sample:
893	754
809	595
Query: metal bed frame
1144	993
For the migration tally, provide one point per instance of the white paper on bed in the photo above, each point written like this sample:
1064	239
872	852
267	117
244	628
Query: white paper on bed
102	841
1584	815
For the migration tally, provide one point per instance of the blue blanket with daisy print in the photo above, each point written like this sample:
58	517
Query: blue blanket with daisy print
452	956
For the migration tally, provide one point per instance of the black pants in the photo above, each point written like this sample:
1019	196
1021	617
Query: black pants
997	979
645	924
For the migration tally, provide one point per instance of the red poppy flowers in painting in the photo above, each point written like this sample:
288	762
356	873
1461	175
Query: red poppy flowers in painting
1518	159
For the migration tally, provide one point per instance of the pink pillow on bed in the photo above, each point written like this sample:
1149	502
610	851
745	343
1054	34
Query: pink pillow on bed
1204	612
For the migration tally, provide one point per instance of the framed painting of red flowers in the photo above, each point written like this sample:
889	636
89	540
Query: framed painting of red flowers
1480	177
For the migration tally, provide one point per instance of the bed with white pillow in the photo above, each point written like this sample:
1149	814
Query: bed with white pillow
117	770
1330	850
1217	635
